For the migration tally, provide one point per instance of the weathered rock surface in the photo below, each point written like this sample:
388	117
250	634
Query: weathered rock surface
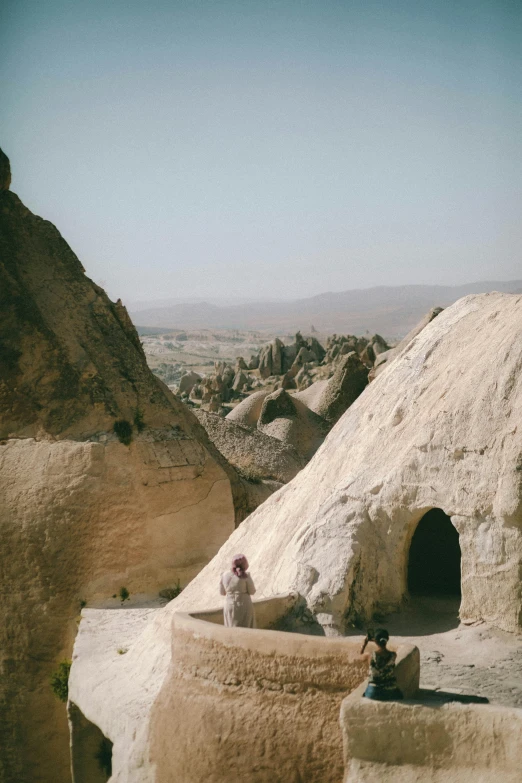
256	492
82	514
455	743
240	381
271	359
67	371
386	356
255	455
290	366
188	381
330	399
438	430
247	412
287	419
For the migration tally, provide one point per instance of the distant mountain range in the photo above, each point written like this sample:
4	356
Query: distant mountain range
390	310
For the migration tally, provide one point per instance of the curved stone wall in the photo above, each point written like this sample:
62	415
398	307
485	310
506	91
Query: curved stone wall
254	704
77	522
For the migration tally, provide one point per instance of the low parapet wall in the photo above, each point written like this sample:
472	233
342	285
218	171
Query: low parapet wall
430	741
257	705
268	611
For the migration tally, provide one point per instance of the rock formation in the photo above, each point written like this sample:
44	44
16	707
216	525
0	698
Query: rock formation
254	454
247	412
386	356
439	430
287	419
188	381
330	399
106	479
293	367
302	419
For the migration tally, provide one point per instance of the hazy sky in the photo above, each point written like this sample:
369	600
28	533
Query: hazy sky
269	148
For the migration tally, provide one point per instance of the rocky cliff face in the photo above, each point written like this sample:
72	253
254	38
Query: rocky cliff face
106	480
71	361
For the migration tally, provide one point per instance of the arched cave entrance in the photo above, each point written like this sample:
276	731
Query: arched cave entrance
434	559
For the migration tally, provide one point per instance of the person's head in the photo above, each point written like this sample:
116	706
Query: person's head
381	637
240	566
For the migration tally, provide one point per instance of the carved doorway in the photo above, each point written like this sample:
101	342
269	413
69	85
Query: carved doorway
435	557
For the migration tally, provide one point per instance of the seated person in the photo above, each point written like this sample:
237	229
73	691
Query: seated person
382	685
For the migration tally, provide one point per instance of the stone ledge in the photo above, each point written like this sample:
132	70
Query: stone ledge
429	740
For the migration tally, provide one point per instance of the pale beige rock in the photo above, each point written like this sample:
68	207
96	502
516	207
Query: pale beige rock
313	394
304	356
246	413
303	379
215	403
271	359
274	696
78	521
188	381
240	381
453	743
72	361
256	492
266	701
331	398
386	356
287	419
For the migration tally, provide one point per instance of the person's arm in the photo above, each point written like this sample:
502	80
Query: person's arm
365	656
250	585
222	587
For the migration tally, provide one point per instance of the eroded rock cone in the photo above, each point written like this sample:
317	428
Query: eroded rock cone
187	382
247	411
347	383
288	419
276	405
446	409
256	455
71	360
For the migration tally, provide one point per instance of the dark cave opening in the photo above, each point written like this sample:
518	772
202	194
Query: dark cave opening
435	557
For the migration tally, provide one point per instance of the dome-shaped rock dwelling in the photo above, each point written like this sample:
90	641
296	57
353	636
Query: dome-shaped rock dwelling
428	459
440	428
108	485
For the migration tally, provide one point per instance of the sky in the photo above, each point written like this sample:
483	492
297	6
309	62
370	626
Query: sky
270	149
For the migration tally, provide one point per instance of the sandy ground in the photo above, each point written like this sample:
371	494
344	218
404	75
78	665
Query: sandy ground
473	660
